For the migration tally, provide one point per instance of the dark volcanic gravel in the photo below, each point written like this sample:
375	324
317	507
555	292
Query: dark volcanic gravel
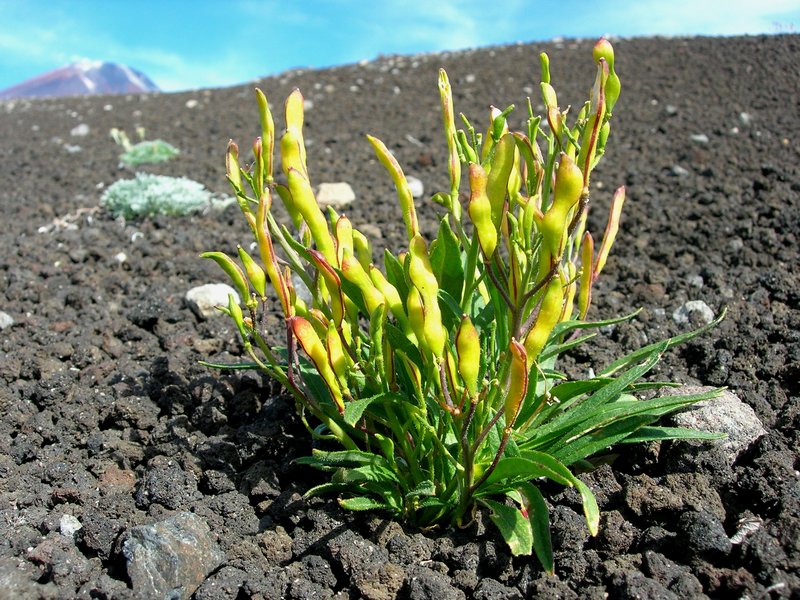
110	424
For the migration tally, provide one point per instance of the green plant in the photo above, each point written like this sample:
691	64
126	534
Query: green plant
143	152
147	195
436	376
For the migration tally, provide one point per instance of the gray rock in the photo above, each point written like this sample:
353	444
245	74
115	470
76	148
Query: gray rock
69	525
171	558
726	414
80	130
699	138
745	118
204	299
683	315
335	194
416	186
679	171
5	320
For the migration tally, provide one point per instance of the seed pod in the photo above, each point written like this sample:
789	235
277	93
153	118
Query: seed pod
267	134
258	167
317	352
468	348
344	237
255	274
362	249
587	276
497	181
612	226
279	283
591	131
232	167
232	270
549	314
292	152
420	270
448	119
392	297
480	210
294	109
603	49
355	274
332	283
337	357
567	192
517	381
570	287
306	203
416	317
401	184
235	311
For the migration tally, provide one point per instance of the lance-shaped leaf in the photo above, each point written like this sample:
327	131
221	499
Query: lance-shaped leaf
587	275
612	226
480	210
401	184
468	348
448	119
232	270
255	274
332	283
517	381
267	135
306	203
546	320
312	345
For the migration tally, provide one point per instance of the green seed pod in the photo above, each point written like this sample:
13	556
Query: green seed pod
255	274
567	192
267	252
392	297
448	119
612	226
355	274
544	63
587	275
332	283
232	167
232	270
416	317
546	320
480	210
306	203
603	49
497	182
401	184
420	270
267	134
362	249
235	311
468	348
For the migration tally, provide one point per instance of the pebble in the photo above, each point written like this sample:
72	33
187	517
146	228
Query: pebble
335	194
700	138
683	315
204	299
5	320
416	186
679	171
69	525
171	558
192	103
726	414
745	118
80	130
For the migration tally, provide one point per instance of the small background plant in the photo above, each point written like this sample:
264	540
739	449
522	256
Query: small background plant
143	152
433	382
147	195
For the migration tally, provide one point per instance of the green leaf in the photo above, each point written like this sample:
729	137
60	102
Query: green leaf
651	434
374	473
451	315
446	261
239	366
673	341
539	517
395	274
511	470
424	488
361	503
513	526
341	458
354	409
590	509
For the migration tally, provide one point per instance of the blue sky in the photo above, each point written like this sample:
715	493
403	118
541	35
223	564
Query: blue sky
183	44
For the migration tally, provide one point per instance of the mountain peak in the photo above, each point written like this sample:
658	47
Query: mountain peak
84	77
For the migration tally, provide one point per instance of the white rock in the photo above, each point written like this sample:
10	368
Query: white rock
80	131
69	525
683	315
308	104
745	118
204	299
335	194
192	103
416	186
679	171
373	232
5	320
700	138
120	257
726	414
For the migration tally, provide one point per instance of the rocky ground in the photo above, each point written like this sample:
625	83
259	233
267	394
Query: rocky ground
114	439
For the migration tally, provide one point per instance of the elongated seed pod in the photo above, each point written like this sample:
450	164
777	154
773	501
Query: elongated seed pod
497	181
317	352
401	184
306	203
468	349
276	278
232	270
267	134
517	381
332	284
480	210
587	275
546	320
255	274
355	273
612	226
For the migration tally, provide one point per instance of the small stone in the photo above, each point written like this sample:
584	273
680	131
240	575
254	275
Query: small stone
335	194
699	138
373	232
679	171
171	558
308	104
5	320
69	526
696	281
704	535
204	299
726	414
192	103
469	78
745	118
416	186
671	109
120	257
683	315
81	130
